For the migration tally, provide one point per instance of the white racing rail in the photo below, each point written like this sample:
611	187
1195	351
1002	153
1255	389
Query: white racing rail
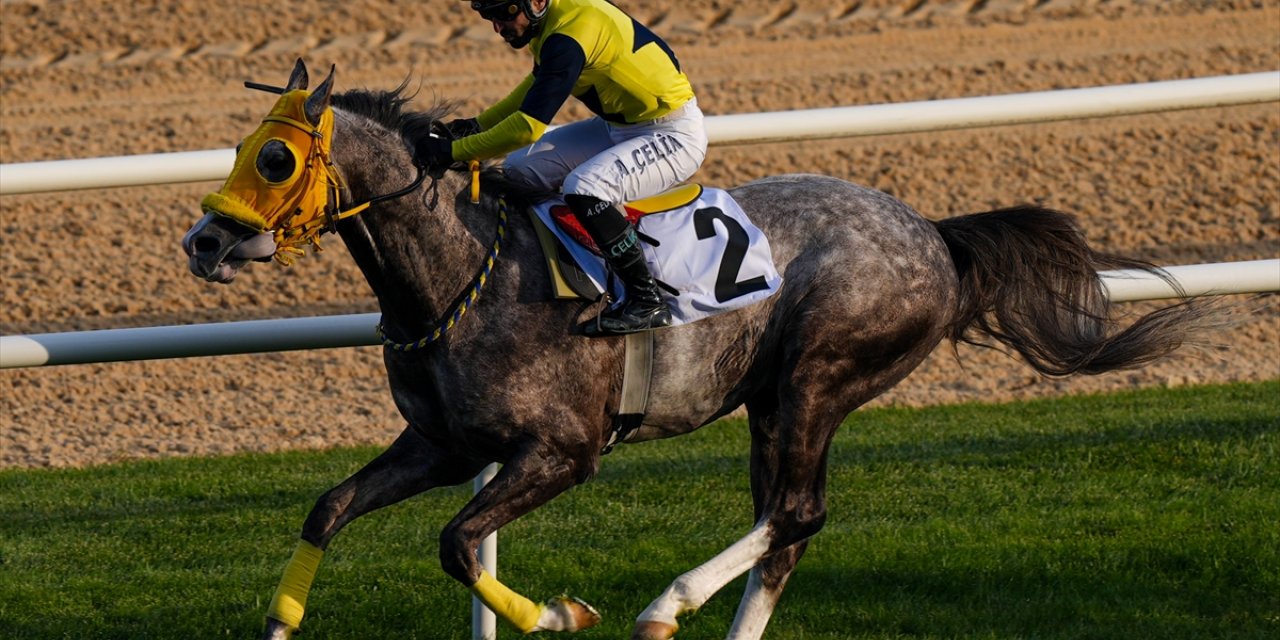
811	124
357	330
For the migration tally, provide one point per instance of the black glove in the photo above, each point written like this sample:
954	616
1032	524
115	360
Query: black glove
433	154
463	127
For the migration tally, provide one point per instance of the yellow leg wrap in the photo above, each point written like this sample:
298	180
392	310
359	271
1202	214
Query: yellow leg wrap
507	604
291	596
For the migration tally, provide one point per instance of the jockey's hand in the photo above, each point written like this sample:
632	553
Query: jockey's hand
433	154
463	127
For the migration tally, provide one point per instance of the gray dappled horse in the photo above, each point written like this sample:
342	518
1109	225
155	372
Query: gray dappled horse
870	288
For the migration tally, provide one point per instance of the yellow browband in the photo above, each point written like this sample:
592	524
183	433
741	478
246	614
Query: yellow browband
297	208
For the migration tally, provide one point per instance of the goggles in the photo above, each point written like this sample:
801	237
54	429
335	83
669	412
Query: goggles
500	11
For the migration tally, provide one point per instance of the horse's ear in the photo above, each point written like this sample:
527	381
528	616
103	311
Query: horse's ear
297	79
319	99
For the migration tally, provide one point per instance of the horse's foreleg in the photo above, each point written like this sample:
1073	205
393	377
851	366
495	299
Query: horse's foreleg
525	482
408	467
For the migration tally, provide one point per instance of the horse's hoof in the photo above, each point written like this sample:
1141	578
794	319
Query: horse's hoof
277	630
652	630
568	614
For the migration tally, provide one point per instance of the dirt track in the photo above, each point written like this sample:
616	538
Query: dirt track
92	78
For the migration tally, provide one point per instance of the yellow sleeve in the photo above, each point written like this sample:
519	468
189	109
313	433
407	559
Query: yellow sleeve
490	117
513	132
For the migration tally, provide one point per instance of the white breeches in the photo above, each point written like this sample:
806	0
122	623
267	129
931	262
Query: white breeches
615	162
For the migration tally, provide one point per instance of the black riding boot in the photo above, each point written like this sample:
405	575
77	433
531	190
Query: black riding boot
643	307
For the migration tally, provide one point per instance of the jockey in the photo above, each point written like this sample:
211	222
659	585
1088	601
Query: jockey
647	134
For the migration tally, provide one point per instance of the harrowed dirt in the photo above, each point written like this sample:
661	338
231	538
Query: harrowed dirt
85	78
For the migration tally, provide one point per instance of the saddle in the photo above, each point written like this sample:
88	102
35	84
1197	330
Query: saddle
569	281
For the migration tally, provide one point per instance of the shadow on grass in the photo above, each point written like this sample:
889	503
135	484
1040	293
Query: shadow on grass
1019	601
965	449
151	493
999	450
35	521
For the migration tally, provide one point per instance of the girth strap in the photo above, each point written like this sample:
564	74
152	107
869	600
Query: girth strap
637	371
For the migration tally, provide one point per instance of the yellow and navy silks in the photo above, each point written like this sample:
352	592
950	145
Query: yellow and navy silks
290	207
595	52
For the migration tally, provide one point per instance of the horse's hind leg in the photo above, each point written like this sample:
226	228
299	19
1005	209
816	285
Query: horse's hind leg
764	586
769	577
408	467
788	480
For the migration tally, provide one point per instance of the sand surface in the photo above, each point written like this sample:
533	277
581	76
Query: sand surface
84	78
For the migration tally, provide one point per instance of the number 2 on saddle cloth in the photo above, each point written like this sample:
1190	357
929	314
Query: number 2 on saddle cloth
705	253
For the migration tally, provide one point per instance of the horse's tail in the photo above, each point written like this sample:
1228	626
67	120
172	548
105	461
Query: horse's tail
1029	279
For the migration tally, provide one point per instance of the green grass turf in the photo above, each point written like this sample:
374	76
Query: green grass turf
1151	514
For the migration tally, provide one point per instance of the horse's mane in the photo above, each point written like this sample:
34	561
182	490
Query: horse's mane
388	108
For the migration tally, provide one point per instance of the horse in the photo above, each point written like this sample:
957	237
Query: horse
485	367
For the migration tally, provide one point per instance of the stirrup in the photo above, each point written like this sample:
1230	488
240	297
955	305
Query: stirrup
618	322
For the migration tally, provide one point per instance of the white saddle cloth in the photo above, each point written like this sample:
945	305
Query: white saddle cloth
709	252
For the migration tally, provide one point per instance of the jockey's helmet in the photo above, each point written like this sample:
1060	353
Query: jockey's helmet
503	10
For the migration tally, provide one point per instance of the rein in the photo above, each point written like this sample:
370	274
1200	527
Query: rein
464	303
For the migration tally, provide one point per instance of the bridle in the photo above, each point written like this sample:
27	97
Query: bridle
298	208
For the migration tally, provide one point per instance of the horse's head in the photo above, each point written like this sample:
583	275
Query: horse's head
282	192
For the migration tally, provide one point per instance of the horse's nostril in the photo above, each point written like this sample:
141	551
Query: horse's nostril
206	244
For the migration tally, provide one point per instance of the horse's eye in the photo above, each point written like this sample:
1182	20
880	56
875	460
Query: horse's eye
275	161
